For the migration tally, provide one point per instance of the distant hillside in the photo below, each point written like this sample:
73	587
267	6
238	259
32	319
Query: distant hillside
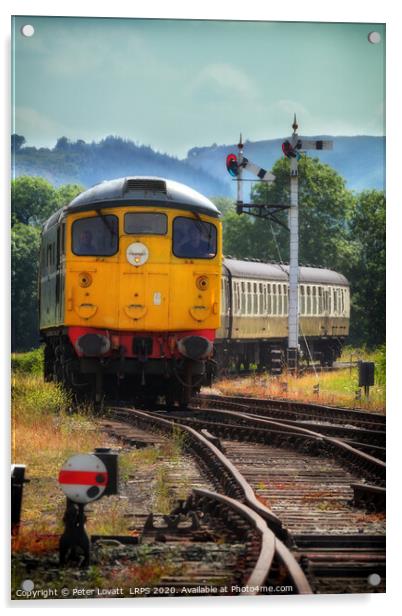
360	160
90	163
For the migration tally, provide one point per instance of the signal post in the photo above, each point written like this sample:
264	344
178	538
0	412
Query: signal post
292	149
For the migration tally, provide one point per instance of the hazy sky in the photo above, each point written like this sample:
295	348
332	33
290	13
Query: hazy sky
178	84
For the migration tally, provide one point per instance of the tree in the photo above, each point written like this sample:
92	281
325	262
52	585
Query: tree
324	208
67	192
33	200
366	270
62	144
17	141
25	242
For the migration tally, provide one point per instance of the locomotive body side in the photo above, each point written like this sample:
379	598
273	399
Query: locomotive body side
140	298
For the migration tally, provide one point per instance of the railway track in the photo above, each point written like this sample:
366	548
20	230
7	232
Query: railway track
315	509
295	411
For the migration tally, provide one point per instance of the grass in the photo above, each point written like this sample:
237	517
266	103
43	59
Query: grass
45	433
336	388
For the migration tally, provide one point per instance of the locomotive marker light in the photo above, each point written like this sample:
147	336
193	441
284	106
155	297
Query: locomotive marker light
84	478
137	254
291	148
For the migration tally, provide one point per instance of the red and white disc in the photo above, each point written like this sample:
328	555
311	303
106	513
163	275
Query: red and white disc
83	478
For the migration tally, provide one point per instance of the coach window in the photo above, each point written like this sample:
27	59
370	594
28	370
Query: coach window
249	298
194	239
302	300
260	298
145	223
269	296
255	298
308	307
320	300
280	299
236	288
285	299
96	236
243	298
314	300
274	302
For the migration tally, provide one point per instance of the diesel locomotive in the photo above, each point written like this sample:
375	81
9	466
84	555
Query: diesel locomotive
137	300
130	290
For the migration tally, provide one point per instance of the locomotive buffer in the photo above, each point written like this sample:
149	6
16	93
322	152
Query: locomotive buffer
292	149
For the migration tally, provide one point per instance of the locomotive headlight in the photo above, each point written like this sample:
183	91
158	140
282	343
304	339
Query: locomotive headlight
84	279
137	254
202	283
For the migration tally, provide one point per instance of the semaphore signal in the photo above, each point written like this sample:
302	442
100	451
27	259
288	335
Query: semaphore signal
292	149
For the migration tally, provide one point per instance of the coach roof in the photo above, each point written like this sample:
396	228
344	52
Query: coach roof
144	191
277	272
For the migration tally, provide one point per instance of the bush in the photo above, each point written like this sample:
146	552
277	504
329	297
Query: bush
380	366
28	363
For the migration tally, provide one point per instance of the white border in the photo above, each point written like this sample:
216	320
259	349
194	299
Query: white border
292	10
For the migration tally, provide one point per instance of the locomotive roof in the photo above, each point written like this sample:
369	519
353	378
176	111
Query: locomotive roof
275	271
141	190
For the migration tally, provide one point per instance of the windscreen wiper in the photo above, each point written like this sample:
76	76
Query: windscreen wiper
105	221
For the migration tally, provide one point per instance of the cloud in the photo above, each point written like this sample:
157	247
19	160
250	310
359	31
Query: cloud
223	79
30	123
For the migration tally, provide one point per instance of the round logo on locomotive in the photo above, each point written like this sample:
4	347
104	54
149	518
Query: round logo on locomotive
137	254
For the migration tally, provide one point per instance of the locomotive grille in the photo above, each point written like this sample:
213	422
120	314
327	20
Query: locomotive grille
141	185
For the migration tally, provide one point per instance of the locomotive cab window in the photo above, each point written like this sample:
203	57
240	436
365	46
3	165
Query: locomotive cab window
96	236
194	239
145	223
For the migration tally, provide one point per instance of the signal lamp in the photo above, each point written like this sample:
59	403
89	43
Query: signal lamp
288	150
232	165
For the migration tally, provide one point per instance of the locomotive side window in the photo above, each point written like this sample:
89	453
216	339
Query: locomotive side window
194	239
145	223
96	236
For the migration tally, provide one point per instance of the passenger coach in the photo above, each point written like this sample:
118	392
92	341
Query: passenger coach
254	324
